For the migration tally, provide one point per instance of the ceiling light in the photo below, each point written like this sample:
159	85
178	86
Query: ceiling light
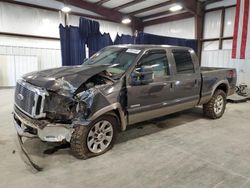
66	9
126	20
175	8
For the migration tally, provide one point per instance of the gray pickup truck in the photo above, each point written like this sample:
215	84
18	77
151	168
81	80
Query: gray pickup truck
88	105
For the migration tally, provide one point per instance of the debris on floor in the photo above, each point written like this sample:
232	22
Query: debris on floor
235	98
242	94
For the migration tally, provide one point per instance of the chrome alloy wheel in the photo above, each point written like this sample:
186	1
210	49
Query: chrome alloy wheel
218	104
100	136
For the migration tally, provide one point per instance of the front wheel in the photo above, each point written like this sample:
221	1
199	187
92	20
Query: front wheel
215	108
95	139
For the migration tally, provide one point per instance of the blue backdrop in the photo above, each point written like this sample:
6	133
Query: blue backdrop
72	49
74	39
125	39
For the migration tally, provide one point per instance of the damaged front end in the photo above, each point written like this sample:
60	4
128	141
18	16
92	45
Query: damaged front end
64	107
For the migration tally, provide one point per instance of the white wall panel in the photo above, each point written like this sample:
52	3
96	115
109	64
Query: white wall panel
181	29
221	4
229	22
13	67
22	55
7	70
211	45
26	20
212	24
29	42
227	44
222	58
24	64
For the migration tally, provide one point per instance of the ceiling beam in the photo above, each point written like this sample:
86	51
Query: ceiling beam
189	5
102	2
128	4
105	12
168	19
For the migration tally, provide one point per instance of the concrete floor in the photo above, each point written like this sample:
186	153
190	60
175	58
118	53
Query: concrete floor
181	150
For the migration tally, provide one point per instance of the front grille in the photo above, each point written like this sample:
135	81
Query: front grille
30	99
24	98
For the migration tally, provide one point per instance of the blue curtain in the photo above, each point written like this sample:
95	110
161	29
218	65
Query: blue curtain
72	47
145	38
125	39
88	27
97	42
73	40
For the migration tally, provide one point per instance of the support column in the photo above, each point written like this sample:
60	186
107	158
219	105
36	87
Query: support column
199	27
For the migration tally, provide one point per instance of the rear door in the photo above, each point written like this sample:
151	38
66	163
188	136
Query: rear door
187	78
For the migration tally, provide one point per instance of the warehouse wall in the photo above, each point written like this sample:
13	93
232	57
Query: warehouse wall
211	55
182	29
19	55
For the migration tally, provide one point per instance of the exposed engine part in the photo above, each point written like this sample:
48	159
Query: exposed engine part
95	81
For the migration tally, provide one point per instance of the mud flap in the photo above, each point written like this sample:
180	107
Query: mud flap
35	166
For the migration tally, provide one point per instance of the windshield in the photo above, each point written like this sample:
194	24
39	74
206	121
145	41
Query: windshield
119	59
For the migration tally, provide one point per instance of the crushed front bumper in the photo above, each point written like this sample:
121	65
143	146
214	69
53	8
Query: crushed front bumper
46	131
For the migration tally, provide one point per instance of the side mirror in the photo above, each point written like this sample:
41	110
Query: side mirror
142	76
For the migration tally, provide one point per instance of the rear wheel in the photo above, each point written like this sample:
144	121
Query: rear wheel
216	106
95	139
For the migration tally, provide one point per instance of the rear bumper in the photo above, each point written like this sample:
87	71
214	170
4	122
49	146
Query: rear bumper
49	132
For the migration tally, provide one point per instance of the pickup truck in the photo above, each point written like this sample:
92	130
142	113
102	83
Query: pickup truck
87	105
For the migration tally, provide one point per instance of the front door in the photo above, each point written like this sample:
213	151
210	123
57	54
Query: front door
144	99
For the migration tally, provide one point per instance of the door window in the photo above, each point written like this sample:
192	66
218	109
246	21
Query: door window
183	61
157	59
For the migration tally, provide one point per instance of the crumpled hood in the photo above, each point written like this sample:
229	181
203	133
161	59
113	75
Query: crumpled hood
72	76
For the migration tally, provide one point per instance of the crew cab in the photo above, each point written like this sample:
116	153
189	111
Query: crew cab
87	105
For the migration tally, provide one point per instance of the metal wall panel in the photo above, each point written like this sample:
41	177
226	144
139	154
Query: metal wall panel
182	29
26	55
7	70
212	24
13	67
26	20
24	64
222	58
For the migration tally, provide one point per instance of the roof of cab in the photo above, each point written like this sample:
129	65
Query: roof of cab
149	46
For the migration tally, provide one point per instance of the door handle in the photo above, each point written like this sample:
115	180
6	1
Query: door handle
171	85
196	83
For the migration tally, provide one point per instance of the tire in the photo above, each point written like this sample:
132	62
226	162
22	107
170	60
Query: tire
85	143
215	108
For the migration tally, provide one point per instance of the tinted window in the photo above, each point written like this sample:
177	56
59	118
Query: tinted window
183	60
157	59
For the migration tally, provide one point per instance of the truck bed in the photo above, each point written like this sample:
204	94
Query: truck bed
213	77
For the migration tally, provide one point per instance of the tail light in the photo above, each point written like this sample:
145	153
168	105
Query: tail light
231	74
